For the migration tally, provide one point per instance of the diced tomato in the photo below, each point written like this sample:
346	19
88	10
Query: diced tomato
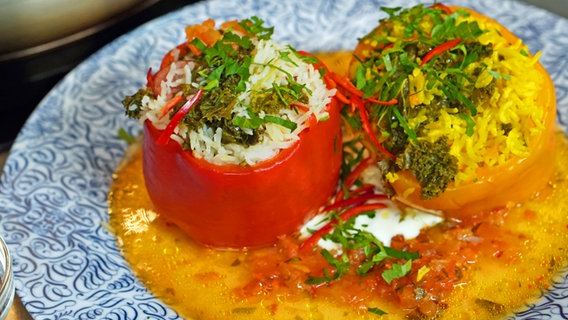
205	32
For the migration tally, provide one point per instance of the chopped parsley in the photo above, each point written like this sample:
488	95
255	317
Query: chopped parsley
377	311
377	256
254	121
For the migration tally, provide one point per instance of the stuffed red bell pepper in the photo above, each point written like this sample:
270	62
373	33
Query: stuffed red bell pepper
241	135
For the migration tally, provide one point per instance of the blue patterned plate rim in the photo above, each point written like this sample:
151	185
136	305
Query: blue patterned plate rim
54	185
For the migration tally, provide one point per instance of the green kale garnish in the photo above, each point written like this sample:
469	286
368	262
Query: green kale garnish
133	104
432	165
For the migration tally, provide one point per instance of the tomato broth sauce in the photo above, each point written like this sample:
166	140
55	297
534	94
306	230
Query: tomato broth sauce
483	267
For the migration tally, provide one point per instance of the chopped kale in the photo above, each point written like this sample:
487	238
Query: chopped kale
275	98
431	163
133	104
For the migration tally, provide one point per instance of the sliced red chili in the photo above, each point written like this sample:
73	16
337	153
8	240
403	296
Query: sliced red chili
355	201
356	172
341	97
301	106
149	78
391	102
439	49
363	190
442	7
358	104
165	136
169	105
329	82
334	79
346	84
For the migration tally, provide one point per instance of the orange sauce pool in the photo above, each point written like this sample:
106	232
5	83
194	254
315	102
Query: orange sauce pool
483	268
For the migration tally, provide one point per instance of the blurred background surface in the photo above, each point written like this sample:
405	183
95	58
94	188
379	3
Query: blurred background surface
41	41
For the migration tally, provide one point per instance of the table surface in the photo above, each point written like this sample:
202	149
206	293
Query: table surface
18	312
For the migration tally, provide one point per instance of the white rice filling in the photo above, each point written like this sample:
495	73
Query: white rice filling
265	70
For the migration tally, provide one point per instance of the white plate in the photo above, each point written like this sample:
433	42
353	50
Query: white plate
54	186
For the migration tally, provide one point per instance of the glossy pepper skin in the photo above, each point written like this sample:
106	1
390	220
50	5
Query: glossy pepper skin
232	206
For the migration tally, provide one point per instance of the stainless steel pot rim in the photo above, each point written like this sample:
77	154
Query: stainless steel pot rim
7	289
74	37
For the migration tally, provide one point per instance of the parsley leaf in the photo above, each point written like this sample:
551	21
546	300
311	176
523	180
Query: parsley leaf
214	78
351	238
255	26
341	267
280	121
284	55
254	121
497	75
377	311
470	124
397	271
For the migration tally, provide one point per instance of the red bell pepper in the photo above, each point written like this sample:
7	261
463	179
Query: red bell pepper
233	206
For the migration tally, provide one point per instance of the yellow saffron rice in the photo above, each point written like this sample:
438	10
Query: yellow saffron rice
504	123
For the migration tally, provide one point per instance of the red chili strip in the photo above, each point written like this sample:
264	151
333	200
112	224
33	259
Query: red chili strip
364	189
390	45
358	104
339	196
342	98
353	176
330	84
383	103
165	136
354	201
312	241
356	172
301	106
439	49
149	78
346	84
441	7
169	105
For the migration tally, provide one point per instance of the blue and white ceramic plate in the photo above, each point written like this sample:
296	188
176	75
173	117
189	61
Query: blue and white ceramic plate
54	187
